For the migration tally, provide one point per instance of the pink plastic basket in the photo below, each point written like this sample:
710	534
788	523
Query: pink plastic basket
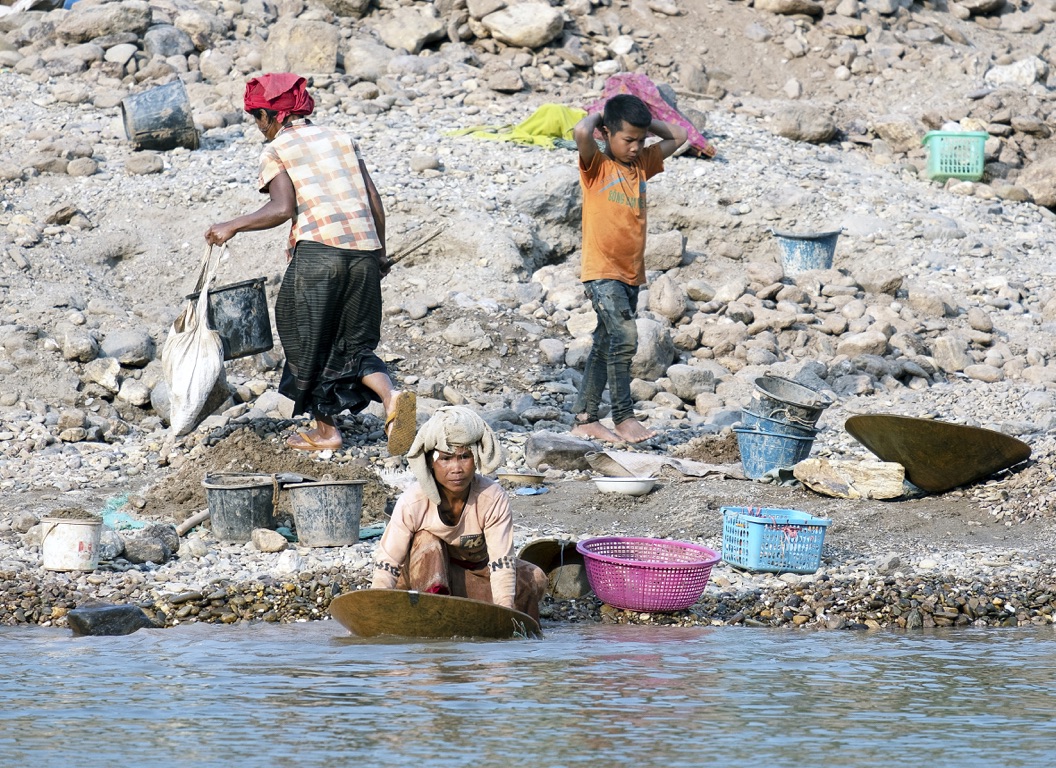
639	574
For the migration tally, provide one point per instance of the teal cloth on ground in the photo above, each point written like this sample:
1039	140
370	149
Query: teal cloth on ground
116	520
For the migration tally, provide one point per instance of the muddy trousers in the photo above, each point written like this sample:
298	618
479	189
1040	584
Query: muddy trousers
429	569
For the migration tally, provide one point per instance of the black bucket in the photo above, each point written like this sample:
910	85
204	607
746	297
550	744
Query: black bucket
327	513
239	313
160	118
563	565
239	503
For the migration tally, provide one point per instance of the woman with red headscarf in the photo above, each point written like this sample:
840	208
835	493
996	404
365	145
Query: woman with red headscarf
328	311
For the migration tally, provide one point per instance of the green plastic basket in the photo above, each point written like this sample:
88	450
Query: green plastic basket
955	154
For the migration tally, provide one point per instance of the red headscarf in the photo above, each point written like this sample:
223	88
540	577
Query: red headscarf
282	92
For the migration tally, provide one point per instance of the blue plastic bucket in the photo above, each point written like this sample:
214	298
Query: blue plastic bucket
762	452
775	426
804	252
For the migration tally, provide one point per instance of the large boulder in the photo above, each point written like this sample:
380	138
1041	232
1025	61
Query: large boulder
1023	73
134	348
204	29
553	201
802	122
790	7
301	45
353	9
664	251
1040	180
655	352
852	479
366	60
411	29
165	40
688	381
87	22
527	25
667	298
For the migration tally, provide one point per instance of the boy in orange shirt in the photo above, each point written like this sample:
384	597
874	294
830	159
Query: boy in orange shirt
613	268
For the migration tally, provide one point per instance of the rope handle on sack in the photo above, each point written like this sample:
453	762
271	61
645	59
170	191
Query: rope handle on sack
207	270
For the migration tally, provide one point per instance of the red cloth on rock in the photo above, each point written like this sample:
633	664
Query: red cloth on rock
282	92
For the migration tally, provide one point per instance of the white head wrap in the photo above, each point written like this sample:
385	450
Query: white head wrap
449	428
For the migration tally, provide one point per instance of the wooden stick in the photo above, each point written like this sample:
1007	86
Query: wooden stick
405	252
183	528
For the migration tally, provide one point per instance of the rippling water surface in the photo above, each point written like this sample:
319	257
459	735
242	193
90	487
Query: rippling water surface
309	695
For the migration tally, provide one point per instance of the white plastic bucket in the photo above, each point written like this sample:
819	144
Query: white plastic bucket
70	545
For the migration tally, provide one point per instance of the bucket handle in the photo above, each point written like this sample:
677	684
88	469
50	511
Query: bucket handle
783	412
47	533
53	526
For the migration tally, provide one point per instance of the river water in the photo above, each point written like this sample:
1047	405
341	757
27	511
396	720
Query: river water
309	695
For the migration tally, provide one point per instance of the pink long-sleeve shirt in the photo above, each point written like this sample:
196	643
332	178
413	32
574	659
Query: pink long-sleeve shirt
483	534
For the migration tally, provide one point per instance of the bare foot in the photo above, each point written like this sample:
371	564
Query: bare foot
595	430
632	431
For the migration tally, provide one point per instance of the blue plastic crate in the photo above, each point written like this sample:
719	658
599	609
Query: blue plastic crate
774	540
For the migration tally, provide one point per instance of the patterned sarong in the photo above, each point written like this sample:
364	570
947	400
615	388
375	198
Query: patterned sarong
328	313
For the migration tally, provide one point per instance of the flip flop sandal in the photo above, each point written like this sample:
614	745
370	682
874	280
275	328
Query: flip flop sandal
310	444
401	426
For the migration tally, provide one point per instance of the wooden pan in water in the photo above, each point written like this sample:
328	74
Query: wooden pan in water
400	613
937	455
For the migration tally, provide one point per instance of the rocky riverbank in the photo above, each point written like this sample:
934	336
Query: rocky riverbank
941	302
224	584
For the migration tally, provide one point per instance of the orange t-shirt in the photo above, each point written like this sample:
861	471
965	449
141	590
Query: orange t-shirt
614	216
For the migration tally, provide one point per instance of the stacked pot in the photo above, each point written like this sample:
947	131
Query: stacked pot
779	425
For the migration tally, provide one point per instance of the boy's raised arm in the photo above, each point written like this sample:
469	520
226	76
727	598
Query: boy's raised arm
583	133
673	135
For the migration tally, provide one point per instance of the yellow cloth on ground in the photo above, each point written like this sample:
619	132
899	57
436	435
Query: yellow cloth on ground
549	122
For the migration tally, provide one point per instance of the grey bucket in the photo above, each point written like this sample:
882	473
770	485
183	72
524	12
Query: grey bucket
804	252
238	503
160	118
776	397
327	513
239	313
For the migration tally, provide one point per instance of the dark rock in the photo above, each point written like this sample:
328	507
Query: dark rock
140	549
167	534
558	451
153	544
108	620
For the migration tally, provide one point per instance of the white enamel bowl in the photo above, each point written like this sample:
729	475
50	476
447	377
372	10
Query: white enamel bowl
632	486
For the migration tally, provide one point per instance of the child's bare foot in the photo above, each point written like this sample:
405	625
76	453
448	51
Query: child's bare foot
594	430
632	431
